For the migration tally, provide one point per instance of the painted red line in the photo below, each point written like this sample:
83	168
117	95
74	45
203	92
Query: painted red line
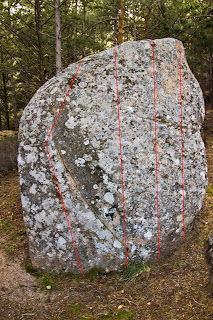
181	108
63	102
119	125
156	151
55	174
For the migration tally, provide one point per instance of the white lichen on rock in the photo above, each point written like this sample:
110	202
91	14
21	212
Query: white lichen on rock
108	197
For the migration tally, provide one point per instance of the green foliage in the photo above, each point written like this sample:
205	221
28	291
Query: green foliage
93	273
22	231
47	281
209	190
9	249
29	269
6	225
178	264
14	238
126	315
8	228
75	309
134	270
108	316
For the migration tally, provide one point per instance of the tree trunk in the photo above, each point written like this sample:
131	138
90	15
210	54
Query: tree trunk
163	8
27	99
75	32
39	37
146	26
135	28
211	81
58	36
14	102
147	14
84	28
115	28
121	23
0	121
5	101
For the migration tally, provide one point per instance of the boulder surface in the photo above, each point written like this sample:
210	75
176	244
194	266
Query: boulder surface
77	223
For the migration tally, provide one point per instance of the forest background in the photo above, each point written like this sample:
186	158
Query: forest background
39	38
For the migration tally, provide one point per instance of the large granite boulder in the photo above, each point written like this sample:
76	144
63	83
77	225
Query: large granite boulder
84	148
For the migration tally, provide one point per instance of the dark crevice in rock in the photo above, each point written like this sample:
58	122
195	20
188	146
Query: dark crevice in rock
87	202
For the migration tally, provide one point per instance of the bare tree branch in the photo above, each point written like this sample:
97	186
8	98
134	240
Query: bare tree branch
15	33
91	27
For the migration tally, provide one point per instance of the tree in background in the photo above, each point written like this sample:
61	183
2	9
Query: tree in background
32	29
121	23
58	36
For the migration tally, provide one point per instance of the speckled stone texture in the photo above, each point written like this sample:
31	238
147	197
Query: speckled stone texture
85	151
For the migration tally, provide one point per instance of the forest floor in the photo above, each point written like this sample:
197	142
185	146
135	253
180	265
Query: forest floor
176	288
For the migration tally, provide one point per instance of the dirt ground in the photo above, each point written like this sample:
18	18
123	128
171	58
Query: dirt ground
176	288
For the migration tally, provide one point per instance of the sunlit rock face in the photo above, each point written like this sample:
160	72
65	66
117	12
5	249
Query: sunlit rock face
84	148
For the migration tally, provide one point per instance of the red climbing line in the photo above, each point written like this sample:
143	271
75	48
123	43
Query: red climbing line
181	108
63	102
156	153
54	170
119	125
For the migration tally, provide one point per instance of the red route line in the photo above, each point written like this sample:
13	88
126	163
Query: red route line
54	170
181	108
63	101
119	125
156	151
